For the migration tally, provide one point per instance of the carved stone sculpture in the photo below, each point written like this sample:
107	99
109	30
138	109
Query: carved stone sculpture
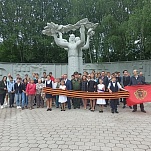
75	45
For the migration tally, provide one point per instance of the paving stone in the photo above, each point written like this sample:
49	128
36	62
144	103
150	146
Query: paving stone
75	130
24	149
34	149
14	149
45	149
4	148
43	145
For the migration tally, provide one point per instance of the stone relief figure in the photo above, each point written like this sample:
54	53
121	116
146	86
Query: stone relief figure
75	45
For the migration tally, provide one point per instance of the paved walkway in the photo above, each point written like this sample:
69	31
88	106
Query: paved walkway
75	130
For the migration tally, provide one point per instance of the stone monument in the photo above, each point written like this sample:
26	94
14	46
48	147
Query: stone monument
75	45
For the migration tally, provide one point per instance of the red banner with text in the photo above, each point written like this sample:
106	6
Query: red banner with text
138	94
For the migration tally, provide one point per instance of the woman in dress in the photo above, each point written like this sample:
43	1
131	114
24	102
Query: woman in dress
101	89
49	84
62	98
92	88
84	87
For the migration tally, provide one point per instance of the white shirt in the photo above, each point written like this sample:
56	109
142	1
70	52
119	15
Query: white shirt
118	84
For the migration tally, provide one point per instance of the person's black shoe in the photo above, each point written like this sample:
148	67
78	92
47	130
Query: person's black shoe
57	106
130	107
116	112
61	110
100	111
124	107
134	110
112	111
50	109
74	107
143	111
10	106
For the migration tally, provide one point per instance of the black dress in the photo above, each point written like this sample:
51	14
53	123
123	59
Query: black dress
92	86
49	85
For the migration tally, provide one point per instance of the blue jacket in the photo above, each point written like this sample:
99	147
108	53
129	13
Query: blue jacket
68	85
138	81
10	86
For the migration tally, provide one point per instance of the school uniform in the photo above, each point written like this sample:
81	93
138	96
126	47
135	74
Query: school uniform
114	87
62	98
100	90
49	84
92	85
105	82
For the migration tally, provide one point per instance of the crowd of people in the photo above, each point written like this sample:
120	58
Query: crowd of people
25	92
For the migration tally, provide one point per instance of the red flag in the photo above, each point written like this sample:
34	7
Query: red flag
138	94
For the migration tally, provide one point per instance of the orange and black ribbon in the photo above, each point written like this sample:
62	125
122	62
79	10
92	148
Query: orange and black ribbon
87	95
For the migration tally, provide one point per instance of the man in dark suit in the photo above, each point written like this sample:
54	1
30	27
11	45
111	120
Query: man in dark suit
142	76
125	82
69	87
105	82
137	80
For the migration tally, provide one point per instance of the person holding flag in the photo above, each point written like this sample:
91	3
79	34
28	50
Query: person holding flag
137	80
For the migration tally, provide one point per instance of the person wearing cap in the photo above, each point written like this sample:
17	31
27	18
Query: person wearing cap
114	86
76	86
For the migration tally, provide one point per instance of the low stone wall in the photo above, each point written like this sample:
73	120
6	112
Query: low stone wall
59	69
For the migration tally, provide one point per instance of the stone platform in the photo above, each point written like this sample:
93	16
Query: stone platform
75	130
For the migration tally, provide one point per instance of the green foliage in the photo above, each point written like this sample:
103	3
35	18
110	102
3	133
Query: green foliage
122	23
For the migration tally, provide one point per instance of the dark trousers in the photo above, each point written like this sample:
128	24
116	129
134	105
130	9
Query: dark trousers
107	101
11	99
76	102
2	98
141	107
69	103
124	101
114	103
